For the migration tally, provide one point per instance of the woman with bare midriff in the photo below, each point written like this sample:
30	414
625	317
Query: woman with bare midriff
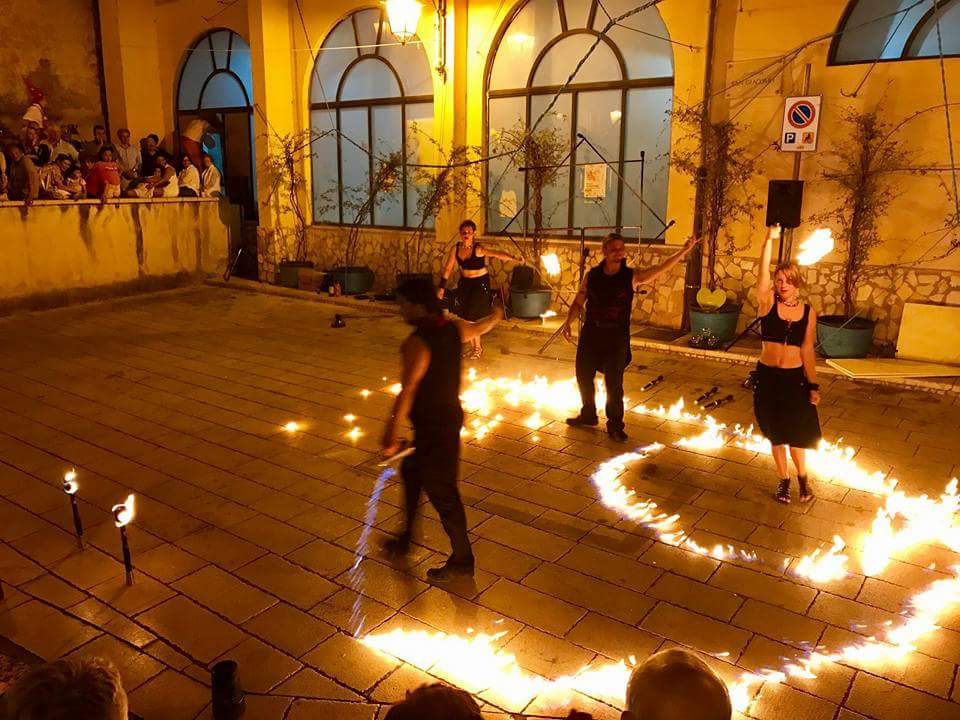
785	389
473	300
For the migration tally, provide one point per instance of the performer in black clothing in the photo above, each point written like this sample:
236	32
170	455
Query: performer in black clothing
430	396
473	292
785	389
604	344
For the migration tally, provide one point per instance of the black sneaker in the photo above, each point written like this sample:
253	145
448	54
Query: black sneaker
451	569
399	545
581	421
618	435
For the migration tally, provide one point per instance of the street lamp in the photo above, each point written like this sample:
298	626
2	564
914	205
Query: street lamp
404	15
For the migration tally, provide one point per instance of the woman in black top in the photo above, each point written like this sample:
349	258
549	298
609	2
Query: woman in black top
785	390
473	293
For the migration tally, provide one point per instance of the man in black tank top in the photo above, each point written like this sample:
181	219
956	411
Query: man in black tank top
604	344
430	397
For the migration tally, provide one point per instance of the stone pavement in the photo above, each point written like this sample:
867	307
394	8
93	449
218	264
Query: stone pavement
245	533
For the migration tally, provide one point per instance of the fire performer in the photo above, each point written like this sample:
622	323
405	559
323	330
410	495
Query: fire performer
473	300
604	344
785	389
430	396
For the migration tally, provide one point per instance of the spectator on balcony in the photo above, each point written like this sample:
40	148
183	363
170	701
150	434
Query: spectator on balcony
150	149
167	185
75	183
127	157
103	180
189	178
210	178
53	179
31	144
676	685
23	182
3	176
93	147
55	146
86	689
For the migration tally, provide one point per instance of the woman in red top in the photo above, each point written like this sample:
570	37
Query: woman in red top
103	180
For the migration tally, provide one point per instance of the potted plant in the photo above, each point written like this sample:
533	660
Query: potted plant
287	188
862	167
353	278
541	152
719	164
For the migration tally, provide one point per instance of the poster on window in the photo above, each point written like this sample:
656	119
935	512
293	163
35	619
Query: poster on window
508	204
595	181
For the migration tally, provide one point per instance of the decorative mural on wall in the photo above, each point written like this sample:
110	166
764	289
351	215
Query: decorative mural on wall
50	60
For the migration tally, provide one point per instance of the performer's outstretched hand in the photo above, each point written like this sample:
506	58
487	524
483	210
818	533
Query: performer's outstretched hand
690	244
567	331
774	231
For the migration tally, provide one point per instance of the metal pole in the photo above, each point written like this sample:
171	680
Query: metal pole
788	234
643	164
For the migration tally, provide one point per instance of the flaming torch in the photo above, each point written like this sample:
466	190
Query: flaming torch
815	247
122	515
70	487
551	263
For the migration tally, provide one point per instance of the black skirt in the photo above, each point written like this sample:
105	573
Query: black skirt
473	297
781	403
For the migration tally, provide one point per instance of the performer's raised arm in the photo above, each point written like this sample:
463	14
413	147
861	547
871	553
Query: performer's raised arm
764	283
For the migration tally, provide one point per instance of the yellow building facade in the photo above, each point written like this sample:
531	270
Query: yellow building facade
742	57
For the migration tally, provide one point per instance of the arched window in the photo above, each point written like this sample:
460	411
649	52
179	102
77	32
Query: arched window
370	97
896	30
216	74
215	111
619	100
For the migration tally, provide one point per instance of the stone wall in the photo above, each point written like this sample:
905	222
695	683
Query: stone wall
58	252
881	295
386	252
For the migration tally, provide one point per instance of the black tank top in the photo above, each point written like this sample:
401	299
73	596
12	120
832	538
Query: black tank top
773	328
473	262
437	400
609	297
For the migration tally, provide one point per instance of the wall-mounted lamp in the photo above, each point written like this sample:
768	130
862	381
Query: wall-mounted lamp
404	15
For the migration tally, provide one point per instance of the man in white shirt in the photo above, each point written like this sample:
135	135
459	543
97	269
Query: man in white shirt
55	145
127	157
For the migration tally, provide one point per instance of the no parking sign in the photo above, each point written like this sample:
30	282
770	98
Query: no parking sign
801	120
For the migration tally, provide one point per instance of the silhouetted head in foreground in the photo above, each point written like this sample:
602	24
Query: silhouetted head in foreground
676	685
436	702
85	689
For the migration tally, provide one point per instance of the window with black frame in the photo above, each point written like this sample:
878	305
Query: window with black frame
889	30
619	101
370	97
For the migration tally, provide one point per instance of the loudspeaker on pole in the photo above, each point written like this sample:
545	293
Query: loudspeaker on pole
784	203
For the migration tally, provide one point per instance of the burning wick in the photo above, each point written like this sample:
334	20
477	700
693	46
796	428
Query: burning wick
122	515
70	487
815	247
292	426
354	433
365	393
551	264
350	417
